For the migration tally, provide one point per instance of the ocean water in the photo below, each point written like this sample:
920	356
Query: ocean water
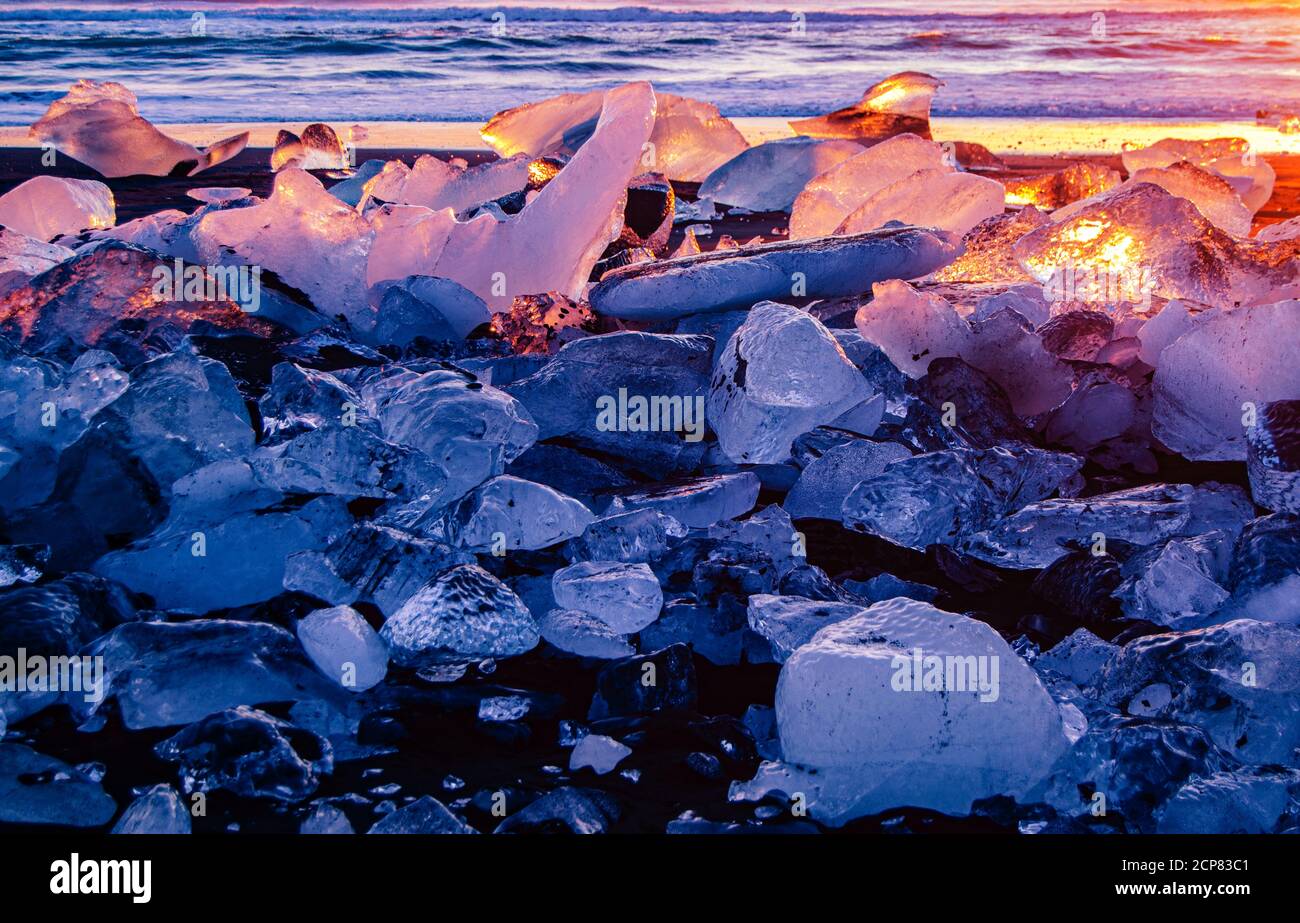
224	62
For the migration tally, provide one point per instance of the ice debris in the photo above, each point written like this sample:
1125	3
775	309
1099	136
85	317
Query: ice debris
98	124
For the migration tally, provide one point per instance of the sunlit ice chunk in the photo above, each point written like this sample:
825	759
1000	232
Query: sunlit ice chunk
899	103
1053	190
307	237
1212	195
23	257
319	148
832	196
915	328
552	244
439	184
98	124
1232	158
1146	241
691	138
937	198
1213	380
770	176
44	207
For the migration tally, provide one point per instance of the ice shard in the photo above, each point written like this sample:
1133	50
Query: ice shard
1210	193
830	197
1213	380
98	124
552	244
780	375
987	254
828	267
45	207
1055	190
933	198
22	257
690	139
307	237
1273	456
1232	158
899	103
1145	240
769	177
437	184
319	148
914	328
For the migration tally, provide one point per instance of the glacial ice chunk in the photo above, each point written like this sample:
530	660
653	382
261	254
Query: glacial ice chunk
424	816
464	615
1041	532
690	139
425	306
914	328
512	513
1179	583
1273	456
438	184
1147	241
344	647
204	566
598	753
1230	803
583	634
98	124
943	497
1212	380
899	103
1079	657
1232	158
696	503
22	257
307	237
39	789
45	207
933	198
159	810
1213	197
371	563
319	148
1056	190
472	430
906	704
635	396
549	246
828	267
826	481
626	597
169	673
637	537
1265	572
790	622
987	255
781	374
830	197
1236	681
768	177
